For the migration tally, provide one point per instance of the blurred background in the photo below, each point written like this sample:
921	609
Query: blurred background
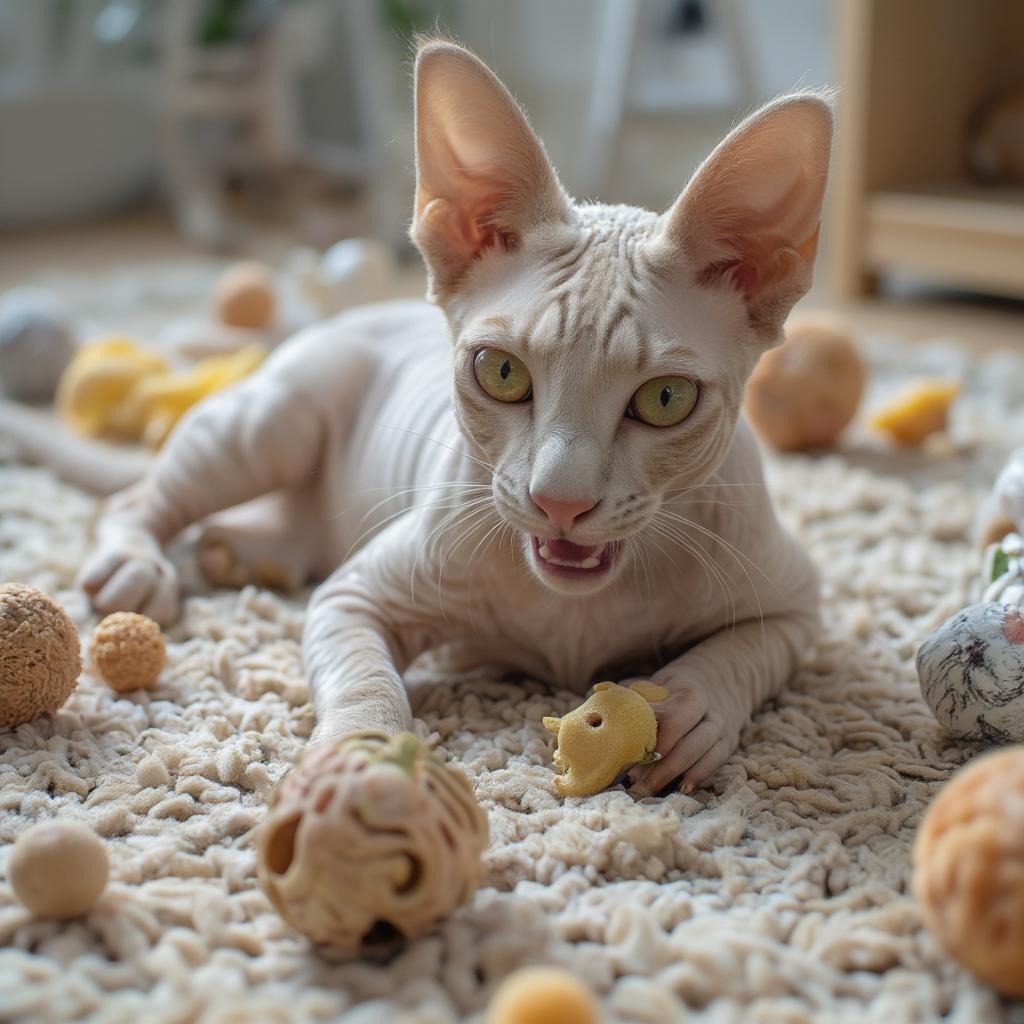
166	139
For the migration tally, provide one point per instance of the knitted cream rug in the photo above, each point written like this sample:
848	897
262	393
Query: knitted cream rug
779	894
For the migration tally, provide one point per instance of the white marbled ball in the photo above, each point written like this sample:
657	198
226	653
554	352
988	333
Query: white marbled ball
972	673
36	344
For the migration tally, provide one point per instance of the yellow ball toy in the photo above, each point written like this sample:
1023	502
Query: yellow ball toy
542	995
969	869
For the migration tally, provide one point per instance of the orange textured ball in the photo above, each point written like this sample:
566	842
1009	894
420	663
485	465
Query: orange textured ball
805	392
969	869
543	995
244	296
39	654
128	650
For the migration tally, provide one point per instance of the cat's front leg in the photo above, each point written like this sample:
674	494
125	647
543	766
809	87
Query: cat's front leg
714	689
362	629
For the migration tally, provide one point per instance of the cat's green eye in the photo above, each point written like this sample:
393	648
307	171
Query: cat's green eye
502	376
664	401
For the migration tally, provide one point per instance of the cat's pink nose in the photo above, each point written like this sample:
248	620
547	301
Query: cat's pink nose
562	513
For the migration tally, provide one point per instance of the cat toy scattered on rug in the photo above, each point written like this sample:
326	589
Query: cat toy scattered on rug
605	736
972	667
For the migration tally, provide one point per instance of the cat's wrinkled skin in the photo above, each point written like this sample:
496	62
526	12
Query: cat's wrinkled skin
351	427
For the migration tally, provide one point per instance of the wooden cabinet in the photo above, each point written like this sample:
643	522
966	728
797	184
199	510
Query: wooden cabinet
910	74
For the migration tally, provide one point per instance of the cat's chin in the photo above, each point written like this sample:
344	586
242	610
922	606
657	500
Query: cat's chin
574	568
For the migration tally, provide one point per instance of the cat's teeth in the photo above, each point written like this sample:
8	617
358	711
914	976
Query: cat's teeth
591	562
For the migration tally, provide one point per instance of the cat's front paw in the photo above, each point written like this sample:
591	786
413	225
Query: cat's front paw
129	573
694	739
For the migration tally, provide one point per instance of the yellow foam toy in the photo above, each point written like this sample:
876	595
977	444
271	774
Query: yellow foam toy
607	734
917	412
117	387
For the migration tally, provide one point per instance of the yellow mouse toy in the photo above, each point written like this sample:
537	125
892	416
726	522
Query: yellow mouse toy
608	733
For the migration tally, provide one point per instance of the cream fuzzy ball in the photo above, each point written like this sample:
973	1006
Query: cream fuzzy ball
969	869
244	296
39	654
371	838
58	869
128	650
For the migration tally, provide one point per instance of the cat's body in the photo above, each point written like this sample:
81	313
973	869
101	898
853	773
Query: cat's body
551	515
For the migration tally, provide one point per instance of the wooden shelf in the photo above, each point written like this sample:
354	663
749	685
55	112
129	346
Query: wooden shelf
961	235
911	75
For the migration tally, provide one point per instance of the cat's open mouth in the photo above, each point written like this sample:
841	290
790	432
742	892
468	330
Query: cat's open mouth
564	558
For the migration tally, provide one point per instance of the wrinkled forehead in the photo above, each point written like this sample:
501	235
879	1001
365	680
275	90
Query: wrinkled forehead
597	292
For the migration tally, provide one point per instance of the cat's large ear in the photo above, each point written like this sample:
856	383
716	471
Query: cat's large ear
482	176
750	216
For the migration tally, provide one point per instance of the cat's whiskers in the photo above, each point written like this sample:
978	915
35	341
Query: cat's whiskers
379	525
713	572
470	510
678	524
458	451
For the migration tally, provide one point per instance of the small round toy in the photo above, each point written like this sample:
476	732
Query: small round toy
58	869
244	296
969	869
36	344
542	995
371	838
40	657
803	393
613	730
971	671
127	650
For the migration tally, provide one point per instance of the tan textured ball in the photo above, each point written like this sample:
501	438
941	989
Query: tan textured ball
58	869
371	839
244	296
803	393
969	869
40	659
543	995
127	650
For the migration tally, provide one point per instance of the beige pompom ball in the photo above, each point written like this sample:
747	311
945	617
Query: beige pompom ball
371	838
543	995
244	296
39	654
127	650
969	869
803	393
58	869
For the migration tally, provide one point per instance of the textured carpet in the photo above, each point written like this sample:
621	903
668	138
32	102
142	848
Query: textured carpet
778	894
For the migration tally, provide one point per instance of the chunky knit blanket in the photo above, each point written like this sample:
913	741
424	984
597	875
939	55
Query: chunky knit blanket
780	893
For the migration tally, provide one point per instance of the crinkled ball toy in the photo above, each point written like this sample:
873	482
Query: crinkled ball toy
969	869
542	995
244	296
127	650
371	838
36	344
40	658
58	869
971	671
803	393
